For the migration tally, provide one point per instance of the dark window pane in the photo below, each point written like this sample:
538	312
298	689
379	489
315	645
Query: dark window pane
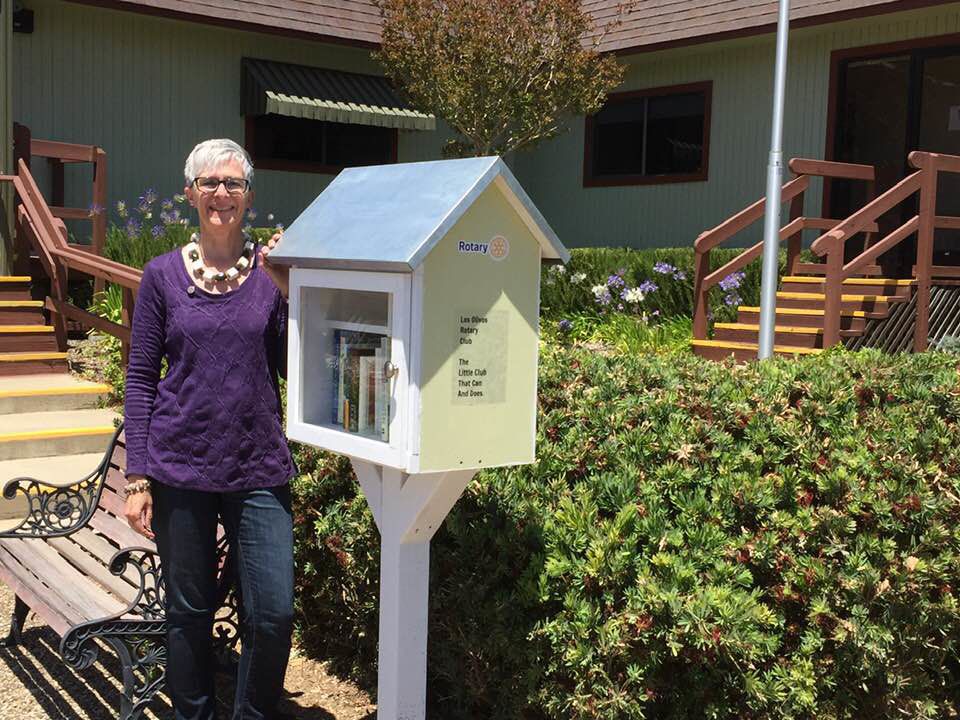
301	140
674	125
618	138
675	134
358	144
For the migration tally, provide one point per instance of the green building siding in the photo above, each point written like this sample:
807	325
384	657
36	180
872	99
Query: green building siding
742	75
147	89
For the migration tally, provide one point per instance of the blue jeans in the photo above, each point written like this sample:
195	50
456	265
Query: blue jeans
259	529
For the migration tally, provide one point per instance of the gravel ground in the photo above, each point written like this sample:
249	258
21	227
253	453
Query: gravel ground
35	684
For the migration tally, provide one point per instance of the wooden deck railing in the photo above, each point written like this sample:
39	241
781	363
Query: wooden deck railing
47	234
831	244
59	155
792	192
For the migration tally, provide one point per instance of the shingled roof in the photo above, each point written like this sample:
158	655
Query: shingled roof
650	24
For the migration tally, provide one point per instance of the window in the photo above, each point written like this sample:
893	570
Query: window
280	142
649	136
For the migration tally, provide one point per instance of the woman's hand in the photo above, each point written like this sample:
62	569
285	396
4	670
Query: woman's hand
139	510
280	274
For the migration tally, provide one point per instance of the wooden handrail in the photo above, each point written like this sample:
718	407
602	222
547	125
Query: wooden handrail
831	169
63	151
47	235
870	254
793	191
746	217
869	213
943	163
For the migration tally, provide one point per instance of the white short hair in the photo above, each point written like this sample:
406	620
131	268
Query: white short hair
212	153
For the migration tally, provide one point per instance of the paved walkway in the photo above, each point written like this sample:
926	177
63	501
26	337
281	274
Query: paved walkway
35	684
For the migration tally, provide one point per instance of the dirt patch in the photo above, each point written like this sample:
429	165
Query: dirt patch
36	684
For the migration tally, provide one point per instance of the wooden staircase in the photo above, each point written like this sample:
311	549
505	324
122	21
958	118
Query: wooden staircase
27	344
800	313
840	299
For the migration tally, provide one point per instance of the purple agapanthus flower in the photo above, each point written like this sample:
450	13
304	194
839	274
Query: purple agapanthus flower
732	299
647	287
150	196
565	326
166	205
251	214
732	281
156	230
94	209
664	268
133	228
679	275
615	281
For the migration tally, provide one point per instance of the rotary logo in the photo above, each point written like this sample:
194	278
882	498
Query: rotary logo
499	247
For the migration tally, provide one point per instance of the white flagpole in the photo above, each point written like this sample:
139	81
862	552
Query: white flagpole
771	222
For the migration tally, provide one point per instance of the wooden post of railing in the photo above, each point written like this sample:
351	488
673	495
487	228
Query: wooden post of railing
833	293
925	228
795	241
126	315
99	208
701	268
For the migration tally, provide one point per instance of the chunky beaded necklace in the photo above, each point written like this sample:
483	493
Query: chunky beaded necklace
210	276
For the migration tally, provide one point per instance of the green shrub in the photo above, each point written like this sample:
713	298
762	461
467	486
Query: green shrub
696	540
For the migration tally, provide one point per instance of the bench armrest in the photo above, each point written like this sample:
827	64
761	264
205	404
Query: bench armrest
58	510
149	602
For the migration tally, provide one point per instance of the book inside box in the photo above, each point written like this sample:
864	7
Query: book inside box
361	400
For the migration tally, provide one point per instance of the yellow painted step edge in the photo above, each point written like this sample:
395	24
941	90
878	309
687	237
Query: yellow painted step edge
14	278
57	433
68	390
890	282
21	303
733	345
778	328
25	329
28	356
846	298
804	311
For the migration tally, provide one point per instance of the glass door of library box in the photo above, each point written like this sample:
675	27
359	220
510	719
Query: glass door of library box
351	358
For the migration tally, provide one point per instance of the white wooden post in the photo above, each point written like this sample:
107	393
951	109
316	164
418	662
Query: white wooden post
408	509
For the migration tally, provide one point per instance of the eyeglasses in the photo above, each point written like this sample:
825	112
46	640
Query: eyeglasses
233	186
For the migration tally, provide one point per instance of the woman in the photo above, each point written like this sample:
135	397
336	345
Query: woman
206	442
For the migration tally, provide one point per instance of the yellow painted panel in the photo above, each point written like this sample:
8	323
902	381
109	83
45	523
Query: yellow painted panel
479	363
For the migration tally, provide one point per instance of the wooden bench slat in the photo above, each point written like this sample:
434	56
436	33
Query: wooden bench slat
110	501
19	579
77	556
103	549
55	587
118	531
115	479
65	580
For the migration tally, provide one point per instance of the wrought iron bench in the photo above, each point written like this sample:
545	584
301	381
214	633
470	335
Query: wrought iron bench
81	569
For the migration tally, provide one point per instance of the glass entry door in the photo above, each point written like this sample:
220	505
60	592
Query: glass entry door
887	106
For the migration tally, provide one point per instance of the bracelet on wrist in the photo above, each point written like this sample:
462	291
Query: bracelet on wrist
136	487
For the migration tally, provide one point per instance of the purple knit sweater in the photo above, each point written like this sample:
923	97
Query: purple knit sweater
213	422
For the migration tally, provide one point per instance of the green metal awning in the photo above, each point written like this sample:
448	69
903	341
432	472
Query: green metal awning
330	95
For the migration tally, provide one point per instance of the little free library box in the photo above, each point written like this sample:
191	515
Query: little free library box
414	304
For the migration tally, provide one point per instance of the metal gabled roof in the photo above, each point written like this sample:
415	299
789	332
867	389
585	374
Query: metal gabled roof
389	217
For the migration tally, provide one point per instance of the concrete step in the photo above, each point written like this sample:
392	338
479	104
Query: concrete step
41	434
31	363
742	351
21	312
871	286
48	392
848	301
55	470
